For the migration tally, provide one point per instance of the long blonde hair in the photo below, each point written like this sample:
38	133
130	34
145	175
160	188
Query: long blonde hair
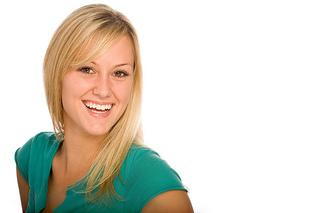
95	26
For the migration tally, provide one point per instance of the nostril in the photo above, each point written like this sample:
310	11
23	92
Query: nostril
103	92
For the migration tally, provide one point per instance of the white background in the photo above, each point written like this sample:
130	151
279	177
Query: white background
231	95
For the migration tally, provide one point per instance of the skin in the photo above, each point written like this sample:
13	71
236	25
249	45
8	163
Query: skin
107	79
23	189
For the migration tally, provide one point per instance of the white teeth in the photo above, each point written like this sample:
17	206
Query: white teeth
98	106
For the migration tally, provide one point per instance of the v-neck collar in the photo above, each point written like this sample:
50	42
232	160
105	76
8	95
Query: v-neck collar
52	153
69	189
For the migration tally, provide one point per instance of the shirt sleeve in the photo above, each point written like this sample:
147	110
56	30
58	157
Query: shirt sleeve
22	158
152	176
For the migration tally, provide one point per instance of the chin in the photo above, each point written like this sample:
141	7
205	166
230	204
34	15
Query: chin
97	132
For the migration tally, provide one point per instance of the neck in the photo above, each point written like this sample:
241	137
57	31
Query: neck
78	150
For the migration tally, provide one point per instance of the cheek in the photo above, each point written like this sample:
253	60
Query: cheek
72	88
124	92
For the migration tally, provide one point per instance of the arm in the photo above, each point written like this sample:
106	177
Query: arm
24	190
169	202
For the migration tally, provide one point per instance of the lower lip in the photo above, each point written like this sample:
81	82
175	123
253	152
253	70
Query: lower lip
98	114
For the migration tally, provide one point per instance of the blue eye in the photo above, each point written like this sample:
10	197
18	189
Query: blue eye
120	74
86	69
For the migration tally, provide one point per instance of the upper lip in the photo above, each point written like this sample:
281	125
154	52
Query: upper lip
97	102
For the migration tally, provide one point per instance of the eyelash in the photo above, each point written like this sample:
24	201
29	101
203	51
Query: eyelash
87	70
122	73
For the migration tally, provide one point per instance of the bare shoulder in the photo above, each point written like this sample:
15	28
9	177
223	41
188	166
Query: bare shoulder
24	190
170	201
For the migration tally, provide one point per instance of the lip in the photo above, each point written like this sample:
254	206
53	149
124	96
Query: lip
97	114
97	102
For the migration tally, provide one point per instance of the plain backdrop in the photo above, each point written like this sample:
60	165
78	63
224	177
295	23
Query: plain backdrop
231	95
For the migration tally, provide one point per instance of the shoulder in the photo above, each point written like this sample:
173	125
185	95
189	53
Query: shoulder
32	150
142	152
40	141
143	158
149	175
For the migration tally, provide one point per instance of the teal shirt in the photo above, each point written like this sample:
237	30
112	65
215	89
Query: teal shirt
144	175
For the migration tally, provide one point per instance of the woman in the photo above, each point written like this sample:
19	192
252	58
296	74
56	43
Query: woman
95	160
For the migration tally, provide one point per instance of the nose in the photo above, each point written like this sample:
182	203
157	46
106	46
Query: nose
102	87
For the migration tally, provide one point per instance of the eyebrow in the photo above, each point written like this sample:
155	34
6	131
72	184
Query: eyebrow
118	65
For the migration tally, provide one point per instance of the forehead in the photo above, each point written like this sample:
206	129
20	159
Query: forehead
120	51
105	50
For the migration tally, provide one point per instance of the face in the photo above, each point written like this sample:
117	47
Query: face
95	95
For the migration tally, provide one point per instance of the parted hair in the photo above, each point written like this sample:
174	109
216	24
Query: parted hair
81	37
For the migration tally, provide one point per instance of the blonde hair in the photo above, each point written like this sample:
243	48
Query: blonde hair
95	26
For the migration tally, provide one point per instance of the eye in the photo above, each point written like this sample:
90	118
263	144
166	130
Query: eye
120	74
86	69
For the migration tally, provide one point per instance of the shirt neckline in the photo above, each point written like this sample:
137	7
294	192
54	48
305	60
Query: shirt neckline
69	188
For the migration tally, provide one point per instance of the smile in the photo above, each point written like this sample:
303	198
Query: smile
102	107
